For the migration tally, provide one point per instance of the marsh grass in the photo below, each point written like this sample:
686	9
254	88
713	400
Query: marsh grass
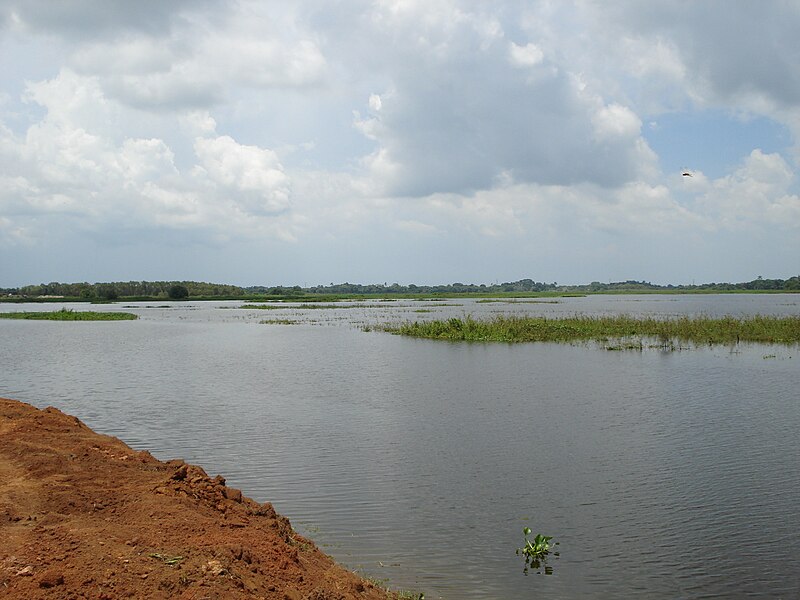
513	301
66	314
630	331
278	322
308	306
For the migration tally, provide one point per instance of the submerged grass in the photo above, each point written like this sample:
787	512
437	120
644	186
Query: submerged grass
697	330
514	301
307	306
278	322
66	314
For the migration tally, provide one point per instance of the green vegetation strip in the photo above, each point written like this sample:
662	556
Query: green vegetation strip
308	306
698	330
278	322
70	315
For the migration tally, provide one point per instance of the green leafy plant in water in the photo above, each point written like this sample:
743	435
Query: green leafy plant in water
535	551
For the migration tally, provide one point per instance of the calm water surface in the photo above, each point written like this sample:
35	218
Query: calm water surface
662	475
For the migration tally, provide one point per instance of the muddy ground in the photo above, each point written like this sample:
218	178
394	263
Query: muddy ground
82	515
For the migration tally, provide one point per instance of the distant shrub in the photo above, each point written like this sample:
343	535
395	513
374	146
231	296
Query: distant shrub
107	292
178	292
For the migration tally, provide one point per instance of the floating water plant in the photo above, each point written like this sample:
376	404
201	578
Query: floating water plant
536	548
535	551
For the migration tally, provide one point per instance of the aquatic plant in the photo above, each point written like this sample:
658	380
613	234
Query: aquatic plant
513	301
536	548
307	306
278	322
535	551
67	314
629	330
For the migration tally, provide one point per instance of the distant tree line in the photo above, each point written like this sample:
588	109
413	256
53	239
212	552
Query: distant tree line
128	289
524	285
758	284
188	289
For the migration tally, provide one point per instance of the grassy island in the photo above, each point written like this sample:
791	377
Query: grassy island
66	314
697	330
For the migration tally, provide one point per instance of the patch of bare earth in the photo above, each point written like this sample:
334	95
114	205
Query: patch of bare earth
82	515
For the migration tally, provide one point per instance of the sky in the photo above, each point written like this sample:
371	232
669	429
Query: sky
412	141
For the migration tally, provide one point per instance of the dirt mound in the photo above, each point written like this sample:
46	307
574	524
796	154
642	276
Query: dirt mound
82	515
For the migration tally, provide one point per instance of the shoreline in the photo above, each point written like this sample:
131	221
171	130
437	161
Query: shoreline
83	515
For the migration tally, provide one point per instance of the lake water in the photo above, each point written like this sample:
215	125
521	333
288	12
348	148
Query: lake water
661	474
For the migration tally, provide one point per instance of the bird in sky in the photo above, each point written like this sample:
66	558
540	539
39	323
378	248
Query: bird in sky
687	174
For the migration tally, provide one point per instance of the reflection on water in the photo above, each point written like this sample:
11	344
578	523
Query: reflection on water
661	474
537	565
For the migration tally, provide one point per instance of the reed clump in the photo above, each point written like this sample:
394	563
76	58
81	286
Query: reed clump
696	330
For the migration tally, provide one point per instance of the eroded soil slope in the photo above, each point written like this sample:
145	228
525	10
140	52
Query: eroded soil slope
82	515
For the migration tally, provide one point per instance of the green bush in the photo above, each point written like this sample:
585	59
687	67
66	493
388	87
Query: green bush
178	292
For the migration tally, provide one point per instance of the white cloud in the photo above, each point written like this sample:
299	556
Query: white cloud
667	56
253	173
375	102
176	55
12	233
132	56
461	113
757	194
528	55
76	161
94	18
146	160
198	123
450	122
71	100
416	227
615	122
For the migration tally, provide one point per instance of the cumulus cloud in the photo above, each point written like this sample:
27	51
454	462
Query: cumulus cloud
89	19
734	50
615	122
375	102
410	120
76	162
459	110
199	72
755	194
674	56
253	173
176	55
528	55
